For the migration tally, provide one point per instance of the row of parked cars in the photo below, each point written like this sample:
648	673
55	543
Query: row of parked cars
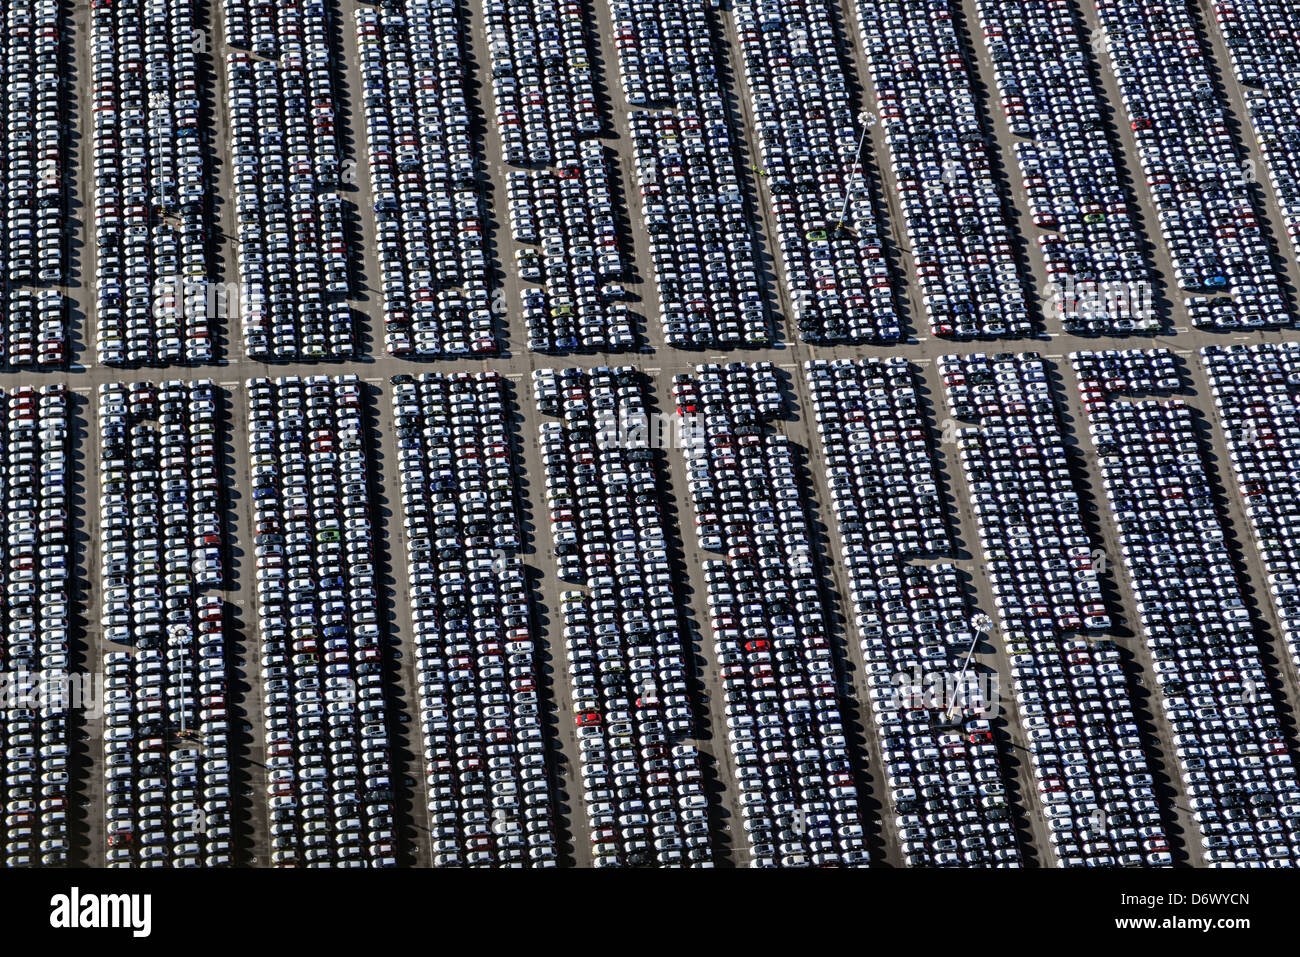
1239	777
961	242
167	763
286	164
1090	244
1261	41
160	505
630	662
151	178
35	324
548	117
1073	695
835	269
1256	389
796	781
429	216
326	716
932	712
701	243
701	238
32	157
1207	205
543	79
37	554
167	757
665	51
1039	556
567	210
476	659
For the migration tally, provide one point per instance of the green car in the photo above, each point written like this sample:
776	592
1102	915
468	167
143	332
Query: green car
815	234
328	535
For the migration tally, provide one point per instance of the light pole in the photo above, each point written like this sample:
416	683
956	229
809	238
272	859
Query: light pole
980	625
867	121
